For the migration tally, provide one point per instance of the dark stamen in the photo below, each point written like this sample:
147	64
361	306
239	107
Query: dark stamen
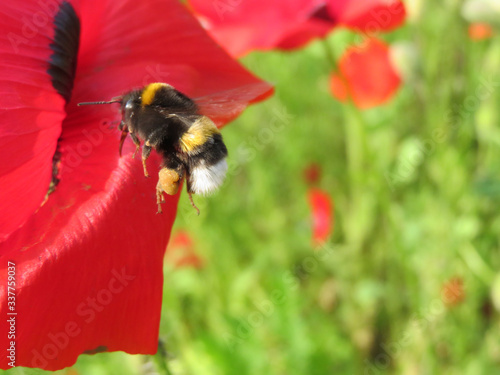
62	64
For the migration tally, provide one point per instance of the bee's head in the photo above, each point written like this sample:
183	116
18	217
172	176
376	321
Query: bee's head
129	104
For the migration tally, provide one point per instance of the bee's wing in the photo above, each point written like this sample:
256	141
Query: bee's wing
226	105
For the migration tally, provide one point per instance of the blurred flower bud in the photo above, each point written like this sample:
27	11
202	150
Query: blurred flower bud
312	174
480	31
453	292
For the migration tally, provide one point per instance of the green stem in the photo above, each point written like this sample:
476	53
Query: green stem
161	363
358	219
331	56
354	126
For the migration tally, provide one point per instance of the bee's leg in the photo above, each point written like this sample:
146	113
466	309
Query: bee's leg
169	179
136	142
146	151
124	130
122	125
190	193
159	197
192	203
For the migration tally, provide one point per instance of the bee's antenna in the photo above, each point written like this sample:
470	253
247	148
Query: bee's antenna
103	102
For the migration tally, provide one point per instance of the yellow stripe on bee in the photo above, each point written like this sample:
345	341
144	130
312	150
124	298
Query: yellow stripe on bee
198	134
149	92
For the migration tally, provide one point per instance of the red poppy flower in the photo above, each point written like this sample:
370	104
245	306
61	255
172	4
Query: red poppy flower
181	253
480	31
453	292
312	174
366	75
247	25
365	17
368	17
88	257
322	218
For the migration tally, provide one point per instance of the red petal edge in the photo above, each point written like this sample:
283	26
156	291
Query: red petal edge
243	26
368	17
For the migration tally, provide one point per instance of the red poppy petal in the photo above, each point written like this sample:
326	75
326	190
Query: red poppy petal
249	25
89	261
305	32
338	87
321	207
86	268
366	75
368	16
31	112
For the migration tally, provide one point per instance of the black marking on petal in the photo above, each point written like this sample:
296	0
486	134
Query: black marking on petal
99	349
56	165
64	50
321	13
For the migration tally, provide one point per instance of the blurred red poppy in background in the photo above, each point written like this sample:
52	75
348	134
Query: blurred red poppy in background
181	252
322	215
243	26
453	292
88	257
312	174
480	31
365	75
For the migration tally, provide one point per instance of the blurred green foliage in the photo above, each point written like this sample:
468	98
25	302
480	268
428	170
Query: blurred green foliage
416	187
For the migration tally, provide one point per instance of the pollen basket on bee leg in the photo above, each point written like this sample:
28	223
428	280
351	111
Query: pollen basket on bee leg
168	181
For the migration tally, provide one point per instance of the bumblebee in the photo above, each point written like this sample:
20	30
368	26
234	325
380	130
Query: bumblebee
190	144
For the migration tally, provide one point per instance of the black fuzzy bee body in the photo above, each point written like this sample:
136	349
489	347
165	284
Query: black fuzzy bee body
169	122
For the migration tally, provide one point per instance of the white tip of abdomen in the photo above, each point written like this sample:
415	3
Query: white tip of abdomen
206	179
